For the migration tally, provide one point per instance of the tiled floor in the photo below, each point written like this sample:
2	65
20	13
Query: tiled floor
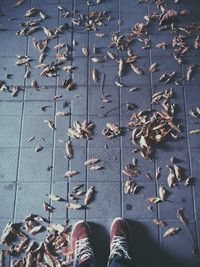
27	177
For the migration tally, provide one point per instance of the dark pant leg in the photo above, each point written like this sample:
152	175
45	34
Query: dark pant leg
87	263
118	261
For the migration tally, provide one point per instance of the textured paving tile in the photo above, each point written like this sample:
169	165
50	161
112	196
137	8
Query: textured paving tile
97	106
36	107
181	197
10	131
8	164
42	94
197	197
35	166
17	73
30	197
6	210
194	154
135	206
112	203
8	38
109	160
163	157
60	211
181	247
143	165
10	108
34	126
61	164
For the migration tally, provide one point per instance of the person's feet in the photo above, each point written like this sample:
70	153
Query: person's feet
81	243
120	238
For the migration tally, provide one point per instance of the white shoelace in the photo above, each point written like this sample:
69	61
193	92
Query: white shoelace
83	249
119	247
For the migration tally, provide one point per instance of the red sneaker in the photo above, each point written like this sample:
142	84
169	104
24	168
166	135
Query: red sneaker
80	242
120	239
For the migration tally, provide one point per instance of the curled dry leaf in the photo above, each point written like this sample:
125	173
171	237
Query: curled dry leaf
159	222
40	45
130	187
154	200
69	150
171	231
81	130
181	215
120	67
50	124
158	172
162	193
178	172
190	71
55	197
89	195
96	168
34	84
94	75
153	67
136	69
131	171
38	148
22	60
15	90
111	130
85	51
47	207
70	173
73	206
188	181
171	179
91	161
196	131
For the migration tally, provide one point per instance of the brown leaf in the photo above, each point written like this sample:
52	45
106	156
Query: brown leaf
154	199
136	69
158	171
38	148
131	171
94	75
159	222
96	168
178	172
91	161
70	173
69	150
50	124
153	67
120	67
162	193
190	71
181	215
85	51
74	206
171	231
55	197
89	195
130	187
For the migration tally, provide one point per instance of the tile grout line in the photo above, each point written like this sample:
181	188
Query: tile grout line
20	138
54	132
71	108
190	165
120	121
154	150
87	108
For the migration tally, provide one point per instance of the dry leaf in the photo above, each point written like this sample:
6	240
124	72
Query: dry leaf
89	195
74	206
181	216
159	222
154	199
69	150
54	197
70	173
162	193
85	51
130	187
91	161
171	231
153	67
50	124
131	171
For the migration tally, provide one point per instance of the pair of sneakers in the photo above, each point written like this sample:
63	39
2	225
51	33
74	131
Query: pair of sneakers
120	237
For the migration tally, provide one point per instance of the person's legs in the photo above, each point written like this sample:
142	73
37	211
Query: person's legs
81	245
120	242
